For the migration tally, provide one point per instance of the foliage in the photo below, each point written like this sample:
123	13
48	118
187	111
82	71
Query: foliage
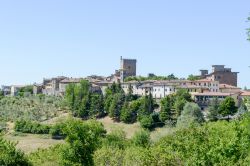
56	130
227	107
140	78
116	139
114	101
217	143
116	106
10	156
247	103
83	102
147	106
35	108
166	109
191	115
141	139
193	78
25	91
213	114
180	99
1	94
25	126
146	121
97	105
82	139
46	156
129	111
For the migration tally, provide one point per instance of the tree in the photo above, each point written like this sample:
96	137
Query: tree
116	106
181	98
227	107
82	139
147	105
166	109
70	95
193	78
247	103
96	106
130	95
191	115
213	114
171	77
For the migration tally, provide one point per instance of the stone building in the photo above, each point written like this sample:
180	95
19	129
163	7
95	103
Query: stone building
128	68
221	74
161	89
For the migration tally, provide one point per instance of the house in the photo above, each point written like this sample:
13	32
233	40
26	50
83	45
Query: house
221	74
204	99
225	88
6	90
15	89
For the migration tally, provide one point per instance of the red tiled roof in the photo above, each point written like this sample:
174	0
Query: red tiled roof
245	93
213	94
226	86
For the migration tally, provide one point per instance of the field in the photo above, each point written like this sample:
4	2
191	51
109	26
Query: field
32	142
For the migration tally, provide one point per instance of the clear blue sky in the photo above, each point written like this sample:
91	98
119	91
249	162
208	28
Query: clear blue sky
81	37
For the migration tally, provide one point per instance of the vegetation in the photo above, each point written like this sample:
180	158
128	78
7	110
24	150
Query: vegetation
227	107
141	78
193	78
191	115
82	138
25	126
35	108
10	156
26	91
213	114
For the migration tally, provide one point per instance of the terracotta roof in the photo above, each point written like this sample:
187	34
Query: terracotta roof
204	80
226	86
213	94
245	93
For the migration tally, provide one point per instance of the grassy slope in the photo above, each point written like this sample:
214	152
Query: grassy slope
32	142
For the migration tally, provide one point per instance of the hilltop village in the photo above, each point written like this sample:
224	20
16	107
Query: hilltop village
220	83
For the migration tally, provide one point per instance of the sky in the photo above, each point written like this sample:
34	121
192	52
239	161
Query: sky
77	38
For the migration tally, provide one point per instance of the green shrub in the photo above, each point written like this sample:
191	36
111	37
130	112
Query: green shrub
10	156
141	139
82	139
56	131
25	126
116	139
146	122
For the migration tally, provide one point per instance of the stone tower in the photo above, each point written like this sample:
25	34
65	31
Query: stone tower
128	68
221	74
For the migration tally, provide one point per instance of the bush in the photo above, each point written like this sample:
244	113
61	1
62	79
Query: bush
116	139
31	127
146	122
56	131
10	156
141	139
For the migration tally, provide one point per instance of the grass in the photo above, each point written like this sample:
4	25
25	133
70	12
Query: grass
129	129
31	142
